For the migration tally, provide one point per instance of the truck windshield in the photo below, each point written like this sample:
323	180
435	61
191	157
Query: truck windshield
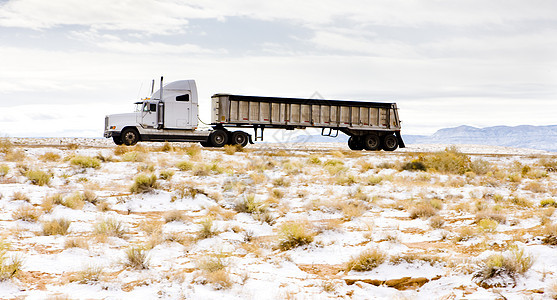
138	106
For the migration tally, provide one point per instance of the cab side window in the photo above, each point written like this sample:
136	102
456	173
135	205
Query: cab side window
153	107
183	98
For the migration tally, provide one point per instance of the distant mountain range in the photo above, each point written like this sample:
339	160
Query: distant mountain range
524	136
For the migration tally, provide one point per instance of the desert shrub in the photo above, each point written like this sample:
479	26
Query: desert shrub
50	156
166	147
137	257
549	164
249	205
464	234
480	166
548	202
425	209
19	195
231	149
15	155
184	190
4	169
487	225
74	201
38	177
436	222
9	266
207	229
144	183
281	181
502	269
121	149
90	196
5	145
346	179
416	258
76	242
534	187
491	214
521	201
103	206
85	162
550	234
109	227
184	165
90	274
294	234
214	270
174	215
351	209
166	174
27	213
133	156
450	161
193	150
366	261
56	227
373	180
314	160
414	165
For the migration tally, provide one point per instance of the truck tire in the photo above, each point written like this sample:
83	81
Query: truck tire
371	142
390	142
206	144
218	138
239	138
117	140
129	136
354	143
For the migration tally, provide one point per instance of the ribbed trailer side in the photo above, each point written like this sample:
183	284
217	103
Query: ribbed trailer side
301	113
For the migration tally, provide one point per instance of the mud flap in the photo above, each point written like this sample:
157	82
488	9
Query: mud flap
400	141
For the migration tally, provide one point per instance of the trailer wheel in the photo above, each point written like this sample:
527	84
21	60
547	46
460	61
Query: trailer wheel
218	138
354	143
117	140
390	143
129	136
371	142
239	138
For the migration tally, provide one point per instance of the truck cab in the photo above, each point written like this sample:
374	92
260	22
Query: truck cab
169	111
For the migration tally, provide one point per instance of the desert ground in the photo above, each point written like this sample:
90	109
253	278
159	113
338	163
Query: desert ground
86	219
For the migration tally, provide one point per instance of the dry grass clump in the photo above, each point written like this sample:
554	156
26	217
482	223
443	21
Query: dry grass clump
110	227
174	216
4	169
487	225
137	257
9	266
414	165
425	209
450	161
27	213
38	177
231	149
166	174
436	222
491	214
133	156
85	162
184	165
351	209
549	202
502	269
550	234
50	156
19	195
214	270
74	201
144	183
366	261
90	274
166	147
56	227
282	182
416	258
249	205
208	229
294	234
76	242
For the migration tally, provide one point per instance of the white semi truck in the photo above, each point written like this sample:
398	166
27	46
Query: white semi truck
171	114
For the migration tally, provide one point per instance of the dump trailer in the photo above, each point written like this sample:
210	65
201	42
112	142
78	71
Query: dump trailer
170	114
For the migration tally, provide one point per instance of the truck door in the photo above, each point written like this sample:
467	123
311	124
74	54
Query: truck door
148	115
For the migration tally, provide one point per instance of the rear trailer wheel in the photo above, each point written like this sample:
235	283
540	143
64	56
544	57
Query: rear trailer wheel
372	142
239	138
117	140
129	136
354	143
218	138
390	143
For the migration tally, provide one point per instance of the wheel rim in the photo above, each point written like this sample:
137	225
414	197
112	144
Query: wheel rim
129	137
372	142
219	138
390	142
239	139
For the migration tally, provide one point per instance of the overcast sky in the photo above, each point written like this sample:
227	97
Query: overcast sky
66	63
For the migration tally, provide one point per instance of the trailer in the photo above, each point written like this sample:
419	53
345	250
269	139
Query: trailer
171	114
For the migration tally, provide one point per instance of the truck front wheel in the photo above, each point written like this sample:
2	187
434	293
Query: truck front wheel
117	140
240	138
129	136
218	138
372	142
